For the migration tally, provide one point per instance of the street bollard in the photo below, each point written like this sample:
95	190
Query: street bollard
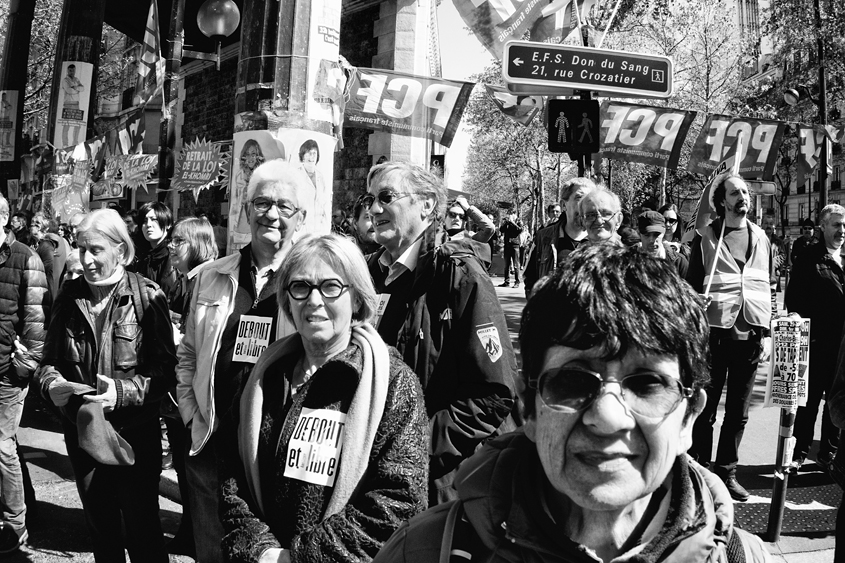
786	445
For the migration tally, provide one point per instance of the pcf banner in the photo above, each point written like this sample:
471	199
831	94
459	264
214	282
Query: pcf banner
760	149
645	134
405	104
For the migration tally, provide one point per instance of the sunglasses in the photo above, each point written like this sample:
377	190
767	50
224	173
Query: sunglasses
669	220
330	289
384	197
453	215
571	390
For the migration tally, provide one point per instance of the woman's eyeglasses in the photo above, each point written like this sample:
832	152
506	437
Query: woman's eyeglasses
670	220
385	197
330	289
572	390
177	242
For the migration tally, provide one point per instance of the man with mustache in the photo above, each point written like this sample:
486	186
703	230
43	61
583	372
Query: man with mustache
233	316
817	291
739	310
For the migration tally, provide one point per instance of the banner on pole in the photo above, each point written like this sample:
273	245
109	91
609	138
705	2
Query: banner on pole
786	386
760	151
404	104
495	22
8	115
198	166
646	134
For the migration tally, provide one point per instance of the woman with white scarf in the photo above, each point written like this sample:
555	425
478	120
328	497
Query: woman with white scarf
327	453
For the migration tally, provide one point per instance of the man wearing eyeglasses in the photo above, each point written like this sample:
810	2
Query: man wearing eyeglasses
601	214
732	258
233	317
599	472
439	308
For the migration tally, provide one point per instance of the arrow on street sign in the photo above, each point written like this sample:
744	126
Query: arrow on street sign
527	65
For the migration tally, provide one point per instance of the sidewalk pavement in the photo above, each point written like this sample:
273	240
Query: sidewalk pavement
807	533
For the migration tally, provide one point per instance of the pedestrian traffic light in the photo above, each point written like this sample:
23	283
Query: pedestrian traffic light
574	126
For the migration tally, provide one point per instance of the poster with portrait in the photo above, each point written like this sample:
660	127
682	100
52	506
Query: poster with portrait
313	153
251	149
8	114
72	109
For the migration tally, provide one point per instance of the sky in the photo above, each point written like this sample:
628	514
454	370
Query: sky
461	56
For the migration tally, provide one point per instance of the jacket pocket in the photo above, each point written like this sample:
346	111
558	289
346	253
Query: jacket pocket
74	341
126	342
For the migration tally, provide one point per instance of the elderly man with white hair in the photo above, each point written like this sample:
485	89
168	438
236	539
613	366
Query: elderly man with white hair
233	317
601	214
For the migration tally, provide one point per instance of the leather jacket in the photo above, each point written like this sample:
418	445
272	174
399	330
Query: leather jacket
141	358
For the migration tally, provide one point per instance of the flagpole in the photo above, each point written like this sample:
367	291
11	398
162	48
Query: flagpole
609	23
715	260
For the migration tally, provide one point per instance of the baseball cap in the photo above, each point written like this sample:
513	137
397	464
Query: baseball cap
651	222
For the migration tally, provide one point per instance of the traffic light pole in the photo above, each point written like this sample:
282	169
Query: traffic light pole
585	163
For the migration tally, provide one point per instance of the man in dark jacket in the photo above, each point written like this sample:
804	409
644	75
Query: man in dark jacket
817	291
511	229
439	308
24	309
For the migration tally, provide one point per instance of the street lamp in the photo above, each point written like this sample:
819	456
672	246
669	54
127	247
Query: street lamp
216	19
793	96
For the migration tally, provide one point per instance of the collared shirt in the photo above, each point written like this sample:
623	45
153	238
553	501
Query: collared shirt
406	262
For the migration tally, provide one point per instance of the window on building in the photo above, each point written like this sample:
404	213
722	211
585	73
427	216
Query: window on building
802	211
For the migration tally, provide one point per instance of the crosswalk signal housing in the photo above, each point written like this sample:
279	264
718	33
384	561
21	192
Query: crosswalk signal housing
574	126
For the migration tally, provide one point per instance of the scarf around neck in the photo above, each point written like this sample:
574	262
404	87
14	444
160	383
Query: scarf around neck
362	420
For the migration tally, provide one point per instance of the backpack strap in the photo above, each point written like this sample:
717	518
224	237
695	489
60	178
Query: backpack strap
140	299
460	540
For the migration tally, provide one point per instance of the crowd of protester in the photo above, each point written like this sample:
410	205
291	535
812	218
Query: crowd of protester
355	395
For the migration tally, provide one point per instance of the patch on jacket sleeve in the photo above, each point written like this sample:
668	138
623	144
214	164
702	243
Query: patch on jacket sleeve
489	337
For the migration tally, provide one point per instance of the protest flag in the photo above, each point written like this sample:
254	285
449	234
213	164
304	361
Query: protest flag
150	64
521	109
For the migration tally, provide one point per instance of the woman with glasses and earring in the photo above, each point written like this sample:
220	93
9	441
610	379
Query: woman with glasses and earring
326	453
612	383
457	221
674	229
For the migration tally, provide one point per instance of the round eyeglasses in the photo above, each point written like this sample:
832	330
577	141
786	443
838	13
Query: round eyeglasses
330	289
572	390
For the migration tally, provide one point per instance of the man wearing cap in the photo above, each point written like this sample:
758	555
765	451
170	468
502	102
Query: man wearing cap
732	264
807	239
652	227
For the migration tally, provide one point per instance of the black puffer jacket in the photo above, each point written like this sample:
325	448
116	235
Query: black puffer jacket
141	358
24	309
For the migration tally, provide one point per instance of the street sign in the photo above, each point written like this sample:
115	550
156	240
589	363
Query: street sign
615	73
574	126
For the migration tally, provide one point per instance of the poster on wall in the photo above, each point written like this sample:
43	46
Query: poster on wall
72	109
308	151
251	149
326	79
8	114
13	186
313	153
